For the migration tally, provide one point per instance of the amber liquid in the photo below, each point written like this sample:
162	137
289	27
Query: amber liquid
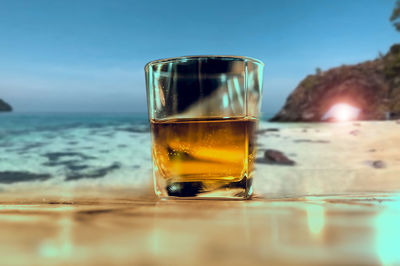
211	150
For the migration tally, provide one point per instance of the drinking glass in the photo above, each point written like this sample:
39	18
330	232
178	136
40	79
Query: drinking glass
203	112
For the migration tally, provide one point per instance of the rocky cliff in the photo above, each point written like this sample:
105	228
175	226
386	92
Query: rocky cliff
373	87
5	107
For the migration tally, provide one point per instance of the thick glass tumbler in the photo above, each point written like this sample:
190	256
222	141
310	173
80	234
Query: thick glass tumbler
203	113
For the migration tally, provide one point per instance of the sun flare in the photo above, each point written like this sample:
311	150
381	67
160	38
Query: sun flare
342	112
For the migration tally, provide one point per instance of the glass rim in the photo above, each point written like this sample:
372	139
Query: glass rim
196	57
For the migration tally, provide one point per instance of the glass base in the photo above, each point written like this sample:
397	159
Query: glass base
207	189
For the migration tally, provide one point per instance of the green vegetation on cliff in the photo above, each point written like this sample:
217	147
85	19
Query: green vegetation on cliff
372	86
392	73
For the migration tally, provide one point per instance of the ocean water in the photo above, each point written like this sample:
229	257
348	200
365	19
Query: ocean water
54	148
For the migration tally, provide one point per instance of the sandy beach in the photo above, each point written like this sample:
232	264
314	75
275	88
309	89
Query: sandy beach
330	158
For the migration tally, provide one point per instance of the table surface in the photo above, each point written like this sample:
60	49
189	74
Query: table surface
124	230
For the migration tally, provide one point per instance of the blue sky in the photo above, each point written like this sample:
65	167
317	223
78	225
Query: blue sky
88	56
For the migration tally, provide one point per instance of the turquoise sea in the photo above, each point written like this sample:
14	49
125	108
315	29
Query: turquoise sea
58	147
67	147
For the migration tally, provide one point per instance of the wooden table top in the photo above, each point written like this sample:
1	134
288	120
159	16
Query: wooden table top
141	230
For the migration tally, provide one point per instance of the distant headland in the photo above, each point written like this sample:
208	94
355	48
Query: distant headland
5	107
372	88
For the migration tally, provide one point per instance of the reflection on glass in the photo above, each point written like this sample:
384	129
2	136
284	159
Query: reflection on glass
388	235
315	219
61	246
154	238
